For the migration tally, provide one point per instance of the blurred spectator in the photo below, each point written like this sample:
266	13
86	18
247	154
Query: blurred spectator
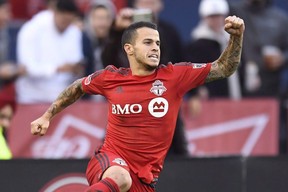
7	108
208	41
50	47
9	70
122	20
265	51
97	25
171	47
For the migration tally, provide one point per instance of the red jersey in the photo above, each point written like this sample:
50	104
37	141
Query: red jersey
143	111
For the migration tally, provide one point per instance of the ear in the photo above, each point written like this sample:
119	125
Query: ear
128	49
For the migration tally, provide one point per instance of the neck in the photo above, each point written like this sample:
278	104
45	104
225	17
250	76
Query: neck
140	70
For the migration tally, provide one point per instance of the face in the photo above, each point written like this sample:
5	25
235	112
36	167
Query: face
5	14
63	20
146	48
6	114
215	22
101	21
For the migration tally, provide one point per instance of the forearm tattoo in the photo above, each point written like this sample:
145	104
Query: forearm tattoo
71	94
229	60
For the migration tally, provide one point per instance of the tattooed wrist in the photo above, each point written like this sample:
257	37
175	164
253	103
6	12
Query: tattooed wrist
231	59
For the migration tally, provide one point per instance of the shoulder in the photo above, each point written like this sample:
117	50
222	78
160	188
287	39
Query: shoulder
42	17
182	64
38	21
170	67
112	70
191	66
109	73
167	67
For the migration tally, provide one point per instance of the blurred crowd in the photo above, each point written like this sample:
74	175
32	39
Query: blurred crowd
63	42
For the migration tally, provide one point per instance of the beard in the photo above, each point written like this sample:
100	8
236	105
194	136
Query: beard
150	68
145	65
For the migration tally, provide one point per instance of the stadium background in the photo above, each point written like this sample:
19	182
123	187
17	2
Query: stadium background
255	173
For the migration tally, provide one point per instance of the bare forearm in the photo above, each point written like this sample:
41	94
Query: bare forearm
230	58
66	98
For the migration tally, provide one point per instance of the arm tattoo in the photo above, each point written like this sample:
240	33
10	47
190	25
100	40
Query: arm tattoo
229	60
71	94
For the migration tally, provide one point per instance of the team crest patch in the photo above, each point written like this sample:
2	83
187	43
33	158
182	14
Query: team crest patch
158	88
120	161
197	66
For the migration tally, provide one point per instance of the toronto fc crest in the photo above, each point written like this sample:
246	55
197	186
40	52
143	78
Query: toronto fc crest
158	88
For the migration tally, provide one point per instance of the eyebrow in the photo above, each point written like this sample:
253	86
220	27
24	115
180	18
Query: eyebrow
149	39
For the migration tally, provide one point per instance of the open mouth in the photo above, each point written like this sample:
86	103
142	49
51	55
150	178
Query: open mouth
154	57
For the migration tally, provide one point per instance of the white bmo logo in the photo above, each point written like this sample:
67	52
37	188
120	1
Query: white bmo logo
158	107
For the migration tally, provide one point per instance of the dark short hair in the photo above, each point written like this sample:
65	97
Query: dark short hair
67	6
130	33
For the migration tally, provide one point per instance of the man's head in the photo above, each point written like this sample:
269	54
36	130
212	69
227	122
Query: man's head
100	17
5	13
213	13
141	43
65	13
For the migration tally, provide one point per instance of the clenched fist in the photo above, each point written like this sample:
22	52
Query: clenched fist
234	25
40	126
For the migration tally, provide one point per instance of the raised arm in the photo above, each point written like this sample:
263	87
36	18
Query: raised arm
229	60
71	94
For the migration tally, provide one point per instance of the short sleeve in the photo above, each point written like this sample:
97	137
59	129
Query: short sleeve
191	75
94	83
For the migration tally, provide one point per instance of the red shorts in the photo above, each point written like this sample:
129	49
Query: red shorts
101	161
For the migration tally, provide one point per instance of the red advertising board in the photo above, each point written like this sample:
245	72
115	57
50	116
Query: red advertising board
73	133
224	127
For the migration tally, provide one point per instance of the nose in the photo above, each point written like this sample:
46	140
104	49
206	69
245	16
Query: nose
155	47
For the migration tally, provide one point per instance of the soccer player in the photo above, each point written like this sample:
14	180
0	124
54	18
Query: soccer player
143	105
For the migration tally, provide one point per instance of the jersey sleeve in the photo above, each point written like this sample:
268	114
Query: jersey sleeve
191	75
94	83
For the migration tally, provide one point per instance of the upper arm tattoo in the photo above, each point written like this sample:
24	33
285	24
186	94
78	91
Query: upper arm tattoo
229	60
71	94
214	73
